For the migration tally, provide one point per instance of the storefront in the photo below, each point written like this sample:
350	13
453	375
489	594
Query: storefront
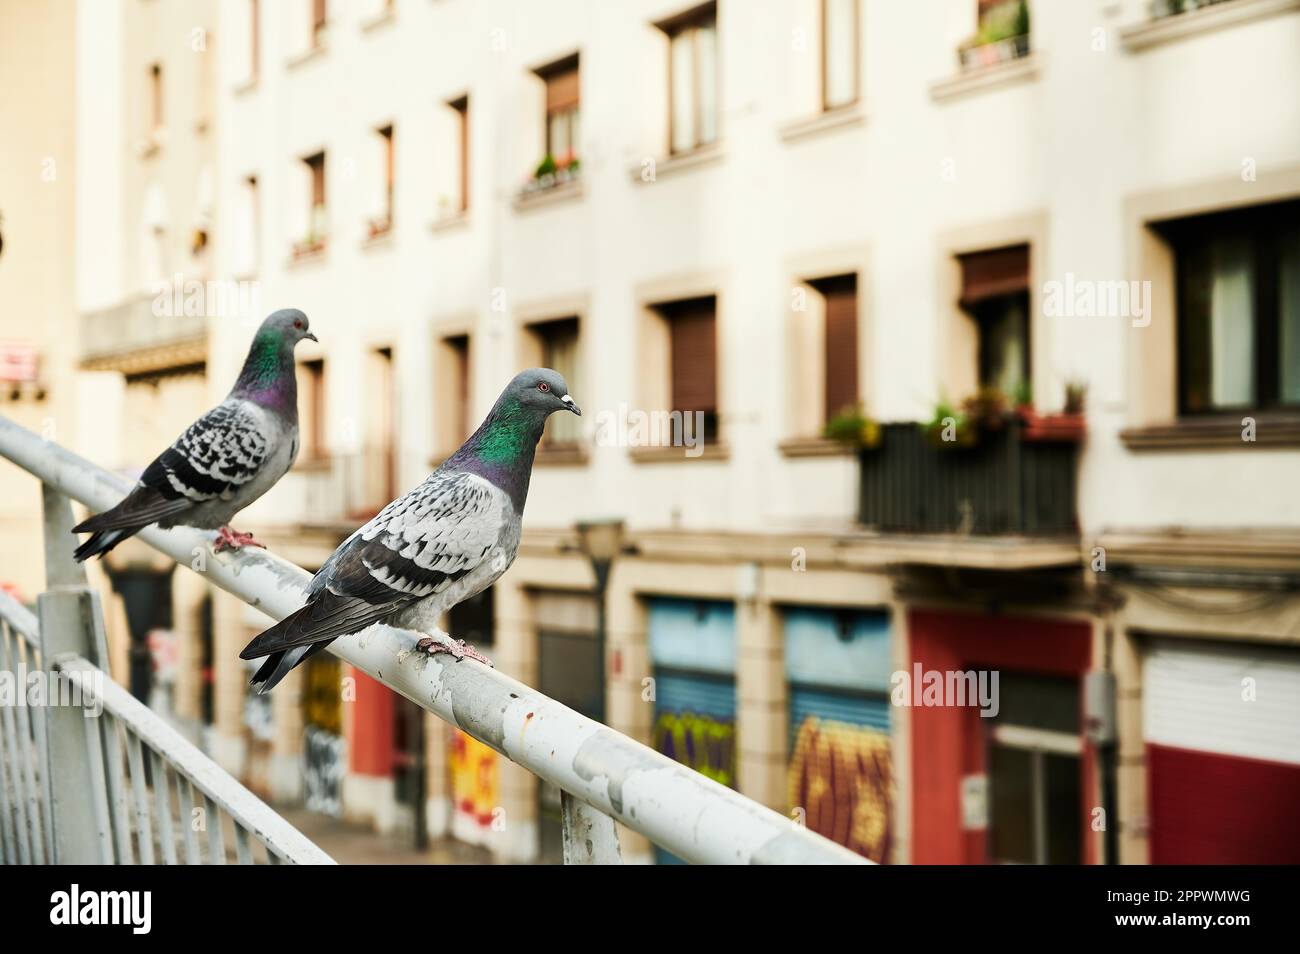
1003	776
693	659
1221	724
840	777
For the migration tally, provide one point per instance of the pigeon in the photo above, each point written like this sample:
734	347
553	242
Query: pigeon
446	540
226	459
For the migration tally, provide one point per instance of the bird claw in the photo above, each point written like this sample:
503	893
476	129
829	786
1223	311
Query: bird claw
228	539
458	648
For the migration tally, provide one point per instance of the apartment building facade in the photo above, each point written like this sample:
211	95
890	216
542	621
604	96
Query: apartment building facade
783	221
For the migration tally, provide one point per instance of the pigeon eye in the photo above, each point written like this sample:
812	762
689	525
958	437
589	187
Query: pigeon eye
543	386
297	323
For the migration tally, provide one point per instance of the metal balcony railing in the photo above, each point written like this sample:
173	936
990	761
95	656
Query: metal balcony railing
1005	484
603	775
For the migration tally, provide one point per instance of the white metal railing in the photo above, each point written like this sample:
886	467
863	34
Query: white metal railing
602	774
88	774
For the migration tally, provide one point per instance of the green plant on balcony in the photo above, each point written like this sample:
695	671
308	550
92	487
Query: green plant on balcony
551	172
1002	35
851	425
949	427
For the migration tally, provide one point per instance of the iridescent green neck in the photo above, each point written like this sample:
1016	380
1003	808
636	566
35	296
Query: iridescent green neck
267	376
502	449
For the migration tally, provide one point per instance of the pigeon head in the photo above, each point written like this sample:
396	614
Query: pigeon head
503	447
268	373
287	326
539	392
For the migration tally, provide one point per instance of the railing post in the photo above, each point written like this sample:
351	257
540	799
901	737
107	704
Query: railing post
589	835
71	622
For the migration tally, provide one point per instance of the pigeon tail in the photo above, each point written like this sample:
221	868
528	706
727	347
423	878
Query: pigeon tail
278	665
101	541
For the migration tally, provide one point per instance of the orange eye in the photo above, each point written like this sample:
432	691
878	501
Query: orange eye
543	386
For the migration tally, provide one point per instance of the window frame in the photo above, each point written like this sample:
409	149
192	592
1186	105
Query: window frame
856	54
1264	225
691	22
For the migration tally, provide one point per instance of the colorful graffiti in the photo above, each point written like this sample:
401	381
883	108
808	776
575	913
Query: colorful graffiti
841	776
702	742
474	789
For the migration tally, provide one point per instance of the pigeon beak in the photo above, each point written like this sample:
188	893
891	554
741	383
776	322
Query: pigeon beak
568	402
311	337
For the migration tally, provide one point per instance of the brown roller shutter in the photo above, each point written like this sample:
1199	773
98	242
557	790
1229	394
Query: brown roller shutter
991	274
841	342
694	355
562	89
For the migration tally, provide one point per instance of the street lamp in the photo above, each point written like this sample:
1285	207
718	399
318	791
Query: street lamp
600	540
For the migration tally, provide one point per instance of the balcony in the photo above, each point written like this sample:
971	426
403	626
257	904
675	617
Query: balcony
142	334
1018	479
345	489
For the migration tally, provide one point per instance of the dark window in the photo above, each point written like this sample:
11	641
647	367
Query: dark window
461	106
693	359
995	293
1238	278
840	294
562	102
559	348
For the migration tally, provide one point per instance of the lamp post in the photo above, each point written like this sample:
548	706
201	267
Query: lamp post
600	540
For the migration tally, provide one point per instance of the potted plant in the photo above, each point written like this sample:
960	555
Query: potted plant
851	425
949	427
1066	426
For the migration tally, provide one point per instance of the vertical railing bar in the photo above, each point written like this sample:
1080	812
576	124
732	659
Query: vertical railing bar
273	857
143	830
113	729
216	842
34	729
8	822
166	837
25	777
43	765
98	784
15	806
243	853
186	798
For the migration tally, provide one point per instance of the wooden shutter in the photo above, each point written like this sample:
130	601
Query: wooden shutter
841	342
992	274
562	89
694	355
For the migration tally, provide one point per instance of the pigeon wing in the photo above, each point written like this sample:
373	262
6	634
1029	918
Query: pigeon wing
217	454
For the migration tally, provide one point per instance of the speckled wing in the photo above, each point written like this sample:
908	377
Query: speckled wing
217	454
415	547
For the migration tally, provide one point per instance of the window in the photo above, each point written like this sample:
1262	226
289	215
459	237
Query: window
452	397
692	359
248	228
155	98
381	223
316	224
1238	308
839	343
995	293
461	108
839	52
318	21
558	346
1002	34
562	102
313	405
381	457
693	79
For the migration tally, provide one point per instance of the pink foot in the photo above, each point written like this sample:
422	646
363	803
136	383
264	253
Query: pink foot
228	539
458	648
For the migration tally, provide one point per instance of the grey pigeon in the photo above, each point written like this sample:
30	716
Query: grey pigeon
226	459
444	541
